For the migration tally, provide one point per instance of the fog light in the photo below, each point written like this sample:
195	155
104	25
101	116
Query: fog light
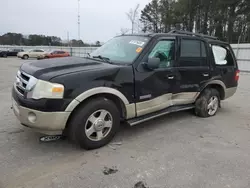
32	117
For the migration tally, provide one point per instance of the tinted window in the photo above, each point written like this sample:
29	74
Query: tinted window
222	56
164	50
190	48
38	50
61	52
193	53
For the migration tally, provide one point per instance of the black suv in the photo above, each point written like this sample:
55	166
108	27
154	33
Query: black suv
132	78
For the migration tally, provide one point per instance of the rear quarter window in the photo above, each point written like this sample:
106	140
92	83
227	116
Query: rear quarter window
222	56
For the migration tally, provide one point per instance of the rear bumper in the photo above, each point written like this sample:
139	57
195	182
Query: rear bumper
229	92
45	122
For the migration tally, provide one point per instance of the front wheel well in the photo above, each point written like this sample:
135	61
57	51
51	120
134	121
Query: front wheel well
219	88
117	101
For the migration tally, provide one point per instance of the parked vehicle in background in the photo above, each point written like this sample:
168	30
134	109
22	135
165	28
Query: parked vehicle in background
14	52
34	53
54	54
3	53
132	78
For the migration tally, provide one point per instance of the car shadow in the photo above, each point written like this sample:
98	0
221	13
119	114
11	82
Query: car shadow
125	134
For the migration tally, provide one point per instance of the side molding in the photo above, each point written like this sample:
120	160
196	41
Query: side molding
130	108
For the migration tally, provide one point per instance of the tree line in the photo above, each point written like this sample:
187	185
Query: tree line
40	40
229	20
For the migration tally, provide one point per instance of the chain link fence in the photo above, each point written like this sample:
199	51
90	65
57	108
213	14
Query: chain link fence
242	52
74	51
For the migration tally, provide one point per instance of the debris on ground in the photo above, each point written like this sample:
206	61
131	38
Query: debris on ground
116	143
108	171
112	147
16	131
50	138
83	163
201	136
140	184
97	154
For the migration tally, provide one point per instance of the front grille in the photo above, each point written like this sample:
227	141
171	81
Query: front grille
22	80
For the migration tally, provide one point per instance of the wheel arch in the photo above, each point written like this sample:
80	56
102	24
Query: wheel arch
126	109
218	85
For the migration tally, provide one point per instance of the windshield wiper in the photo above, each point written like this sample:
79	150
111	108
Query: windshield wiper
106	59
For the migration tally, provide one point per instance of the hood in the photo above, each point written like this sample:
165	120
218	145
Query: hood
50	68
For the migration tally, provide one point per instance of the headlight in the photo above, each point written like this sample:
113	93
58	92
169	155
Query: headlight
44	89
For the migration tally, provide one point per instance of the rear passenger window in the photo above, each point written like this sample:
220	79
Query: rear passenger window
193	53
190	48
222	56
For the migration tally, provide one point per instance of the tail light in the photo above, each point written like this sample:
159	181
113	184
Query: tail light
237	75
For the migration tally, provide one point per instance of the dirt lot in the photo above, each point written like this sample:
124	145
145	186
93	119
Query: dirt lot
178	150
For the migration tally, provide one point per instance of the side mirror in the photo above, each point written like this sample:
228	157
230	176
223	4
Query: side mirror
153	63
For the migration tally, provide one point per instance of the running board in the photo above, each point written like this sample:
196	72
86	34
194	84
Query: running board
153	115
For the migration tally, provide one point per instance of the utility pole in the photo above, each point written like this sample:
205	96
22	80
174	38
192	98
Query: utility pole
68	38
79	25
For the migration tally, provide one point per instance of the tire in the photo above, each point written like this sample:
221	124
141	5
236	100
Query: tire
25	57
88	118
5	55
204	107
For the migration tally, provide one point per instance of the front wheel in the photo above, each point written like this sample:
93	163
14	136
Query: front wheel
25	57
208	103
95	123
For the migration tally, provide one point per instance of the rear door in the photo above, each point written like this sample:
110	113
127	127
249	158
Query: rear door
39	52
225	64
32	53
193	69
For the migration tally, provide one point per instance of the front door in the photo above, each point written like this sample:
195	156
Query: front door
193	70
153	88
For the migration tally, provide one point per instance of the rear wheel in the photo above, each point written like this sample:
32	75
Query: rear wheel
95	123
208	103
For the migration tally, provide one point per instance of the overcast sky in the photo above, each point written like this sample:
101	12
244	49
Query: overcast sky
100	19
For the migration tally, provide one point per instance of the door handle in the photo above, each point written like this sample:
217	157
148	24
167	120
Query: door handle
170	77
205	74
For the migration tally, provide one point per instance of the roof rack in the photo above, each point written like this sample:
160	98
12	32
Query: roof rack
193	34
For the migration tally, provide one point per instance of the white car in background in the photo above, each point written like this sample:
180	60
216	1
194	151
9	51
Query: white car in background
34	53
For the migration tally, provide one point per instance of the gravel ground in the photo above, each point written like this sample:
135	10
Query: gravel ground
178	150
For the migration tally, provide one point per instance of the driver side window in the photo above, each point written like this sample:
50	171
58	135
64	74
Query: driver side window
164	50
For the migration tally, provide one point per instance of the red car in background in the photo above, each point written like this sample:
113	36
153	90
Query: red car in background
54	54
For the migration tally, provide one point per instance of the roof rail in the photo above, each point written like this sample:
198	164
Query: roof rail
193	34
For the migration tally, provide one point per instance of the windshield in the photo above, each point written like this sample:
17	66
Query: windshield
123	49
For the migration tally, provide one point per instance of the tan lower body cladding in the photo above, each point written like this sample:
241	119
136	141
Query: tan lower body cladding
165	101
